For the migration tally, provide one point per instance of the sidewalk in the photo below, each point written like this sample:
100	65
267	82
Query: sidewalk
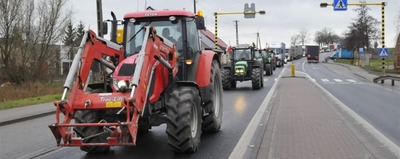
13	115
304	124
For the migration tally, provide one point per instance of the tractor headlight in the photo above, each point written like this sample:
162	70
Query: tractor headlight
120	86
239	71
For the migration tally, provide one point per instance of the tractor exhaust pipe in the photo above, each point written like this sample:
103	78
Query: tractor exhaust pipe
114	24
74	66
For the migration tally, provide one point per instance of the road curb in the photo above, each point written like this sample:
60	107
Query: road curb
26	118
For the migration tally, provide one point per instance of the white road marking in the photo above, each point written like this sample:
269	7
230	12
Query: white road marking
275	79
265	79
337	80
324	80
351	80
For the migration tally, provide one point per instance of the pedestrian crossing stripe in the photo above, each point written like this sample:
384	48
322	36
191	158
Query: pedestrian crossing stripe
337	80
350	80
325	80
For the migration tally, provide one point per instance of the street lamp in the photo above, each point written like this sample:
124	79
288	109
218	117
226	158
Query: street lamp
323	5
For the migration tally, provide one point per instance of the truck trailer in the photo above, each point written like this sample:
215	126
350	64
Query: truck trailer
312	53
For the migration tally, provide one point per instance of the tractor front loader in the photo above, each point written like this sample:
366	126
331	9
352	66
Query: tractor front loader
91	104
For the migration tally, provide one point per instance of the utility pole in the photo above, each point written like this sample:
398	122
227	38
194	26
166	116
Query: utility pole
237	32
99	17
194	6
258	41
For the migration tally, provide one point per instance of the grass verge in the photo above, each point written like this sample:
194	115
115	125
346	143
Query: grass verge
375	66
29	101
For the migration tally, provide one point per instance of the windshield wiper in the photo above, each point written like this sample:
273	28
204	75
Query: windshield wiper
147	23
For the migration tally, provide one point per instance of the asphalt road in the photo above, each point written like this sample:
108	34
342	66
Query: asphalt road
33	138
377	104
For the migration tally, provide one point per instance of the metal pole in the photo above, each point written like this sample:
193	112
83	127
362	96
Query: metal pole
99	17
237	32
383	35
194	6
216	30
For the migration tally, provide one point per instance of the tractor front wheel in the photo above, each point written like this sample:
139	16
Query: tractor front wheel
184	119
226	76
255	78
90	116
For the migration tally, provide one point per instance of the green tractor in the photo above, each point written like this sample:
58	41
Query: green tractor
244	65
267	61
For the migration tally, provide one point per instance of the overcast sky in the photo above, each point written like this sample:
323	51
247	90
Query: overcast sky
283	19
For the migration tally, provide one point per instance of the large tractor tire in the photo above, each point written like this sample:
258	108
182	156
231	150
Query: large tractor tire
268	70
212	122
226	79
255	78
90	116
184	119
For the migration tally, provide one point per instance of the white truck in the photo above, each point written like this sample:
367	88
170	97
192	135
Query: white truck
295	52
279	50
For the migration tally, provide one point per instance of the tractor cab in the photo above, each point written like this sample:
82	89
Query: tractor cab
244	56
175	27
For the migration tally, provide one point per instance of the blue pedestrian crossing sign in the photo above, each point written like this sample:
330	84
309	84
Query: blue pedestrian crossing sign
339	5
383	52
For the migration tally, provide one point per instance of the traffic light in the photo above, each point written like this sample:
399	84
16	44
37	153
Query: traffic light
249	11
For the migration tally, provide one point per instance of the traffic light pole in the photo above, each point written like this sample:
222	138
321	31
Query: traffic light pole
382	4
228	13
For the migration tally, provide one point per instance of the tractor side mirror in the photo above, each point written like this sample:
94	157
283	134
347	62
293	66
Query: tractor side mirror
200	23
105	28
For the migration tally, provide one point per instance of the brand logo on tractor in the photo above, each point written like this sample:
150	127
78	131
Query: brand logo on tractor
150	14
111	99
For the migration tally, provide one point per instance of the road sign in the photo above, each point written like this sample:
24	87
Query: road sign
383	52
339	5
360	50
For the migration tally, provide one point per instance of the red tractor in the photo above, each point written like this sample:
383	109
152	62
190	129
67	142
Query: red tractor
121	90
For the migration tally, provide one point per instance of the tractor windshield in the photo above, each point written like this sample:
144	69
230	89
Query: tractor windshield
242	54
165	28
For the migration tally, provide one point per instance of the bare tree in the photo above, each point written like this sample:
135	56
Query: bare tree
303	34
10	20
29	32
294	40
326	36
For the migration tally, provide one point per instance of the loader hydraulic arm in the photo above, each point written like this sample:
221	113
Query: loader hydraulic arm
154	51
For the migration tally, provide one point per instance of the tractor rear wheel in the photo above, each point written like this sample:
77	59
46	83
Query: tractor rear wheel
90	116
226	76
184	119
255	78
212	122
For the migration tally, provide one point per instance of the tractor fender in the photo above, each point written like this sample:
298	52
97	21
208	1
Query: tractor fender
191	84
204	67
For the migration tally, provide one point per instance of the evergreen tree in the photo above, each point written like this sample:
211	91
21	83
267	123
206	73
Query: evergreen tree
362	30
70	35
80	31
